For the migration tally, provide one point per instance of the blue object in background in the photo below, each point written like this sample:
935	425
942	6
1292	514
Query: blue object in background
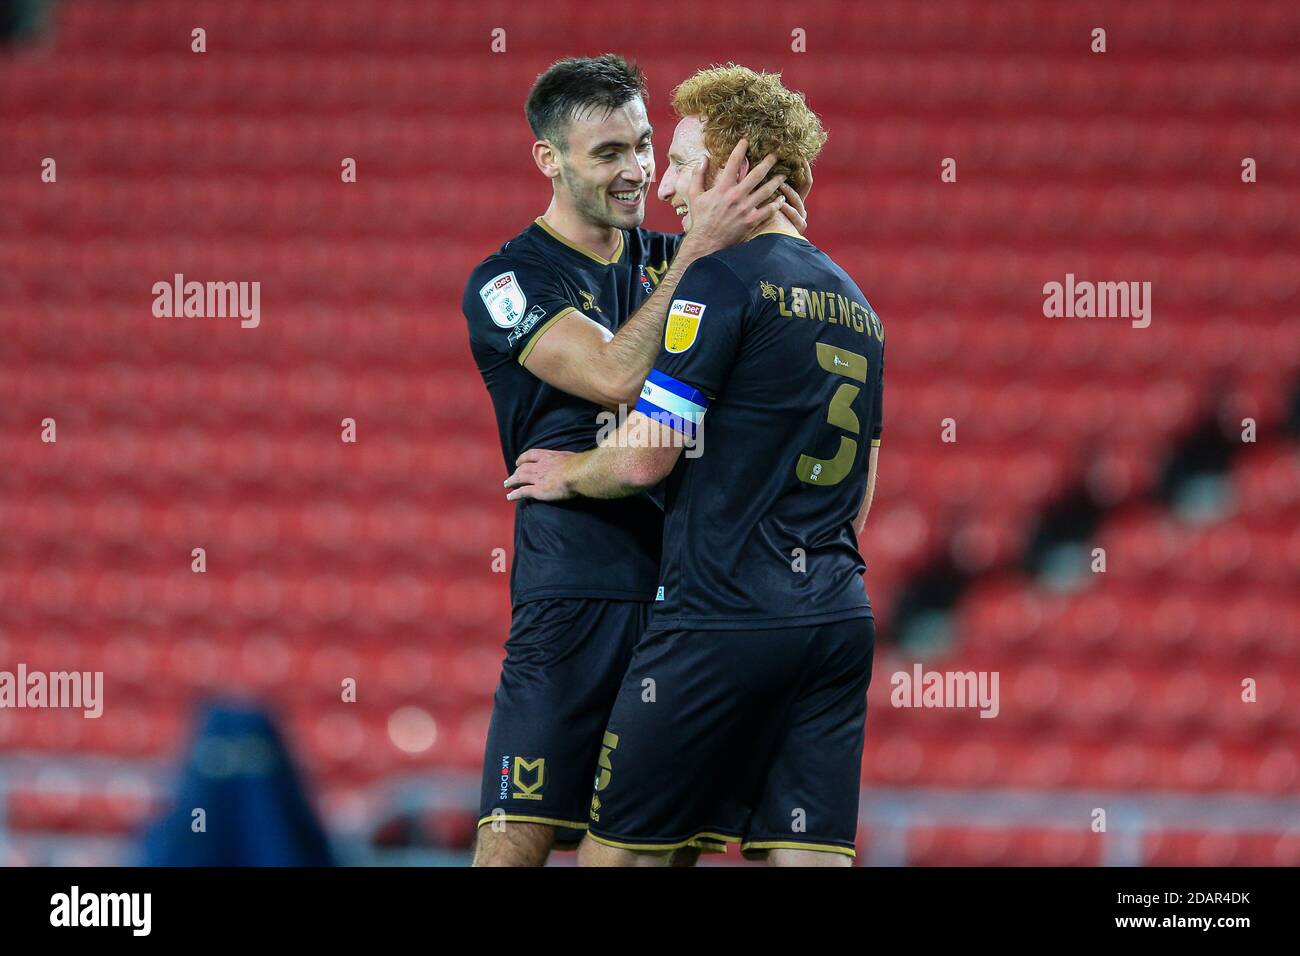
255	812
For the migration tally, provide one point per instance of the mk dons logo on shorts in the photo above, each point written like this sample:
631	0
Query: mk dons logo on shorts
523	789
505	300
505	776
683	324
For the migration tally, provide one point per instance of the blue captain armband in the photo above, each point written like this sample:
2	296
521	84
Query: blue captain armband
672	403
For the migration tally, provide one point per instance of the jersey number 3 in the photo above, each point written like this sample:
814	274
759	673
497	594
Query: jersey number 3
831	471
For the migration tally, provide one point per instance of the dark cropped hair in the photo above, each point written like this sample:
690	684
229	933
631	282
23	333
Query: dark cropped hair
577	84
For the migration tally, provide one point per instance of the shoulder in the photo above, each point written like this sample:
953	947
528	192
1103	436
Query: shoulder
515	274
501	286
520	255
722	270
650	250
654	241
749	259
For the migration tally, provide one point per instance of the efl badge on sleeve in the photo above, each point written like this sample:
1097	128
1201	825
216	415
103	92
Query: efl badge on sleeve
504	299
683	325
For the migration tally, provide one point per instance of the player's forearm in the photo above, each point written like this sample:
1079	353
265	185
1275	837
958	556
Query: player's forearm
630	354
605	472
860	521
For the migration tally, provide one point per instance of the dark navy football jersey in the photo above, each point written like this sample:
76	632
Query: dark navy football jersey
584	547
783	350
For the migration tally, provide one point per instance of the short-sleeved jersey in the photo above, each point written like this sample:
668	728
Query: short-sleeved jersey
583	547
784	352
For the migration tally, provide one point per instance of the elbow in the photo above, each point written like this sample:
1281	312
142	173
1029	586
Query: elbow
623	395
622	402
640	477
644	470
618	388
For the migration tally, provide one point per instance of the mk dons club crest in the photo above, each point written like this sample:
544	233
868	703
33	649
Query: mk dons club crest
525	790
504	299
683	325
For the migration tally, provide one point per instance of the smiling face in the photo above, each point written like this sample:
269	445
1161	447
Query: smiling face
687	154
608	165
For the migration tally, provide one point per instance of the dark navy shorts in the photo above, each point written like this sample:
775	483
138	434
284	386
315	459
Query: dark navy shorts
565	660
738	736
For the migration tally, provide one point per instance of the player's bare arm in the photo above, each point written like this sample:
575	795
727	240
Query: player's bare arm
581	357
638	456
860	521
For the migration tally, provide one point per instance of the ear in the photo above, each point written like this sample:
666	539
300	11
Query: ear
547	158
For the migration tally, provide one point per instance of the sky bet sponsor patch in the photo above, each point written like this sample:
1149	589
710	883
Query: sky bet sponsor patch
504	299
683	324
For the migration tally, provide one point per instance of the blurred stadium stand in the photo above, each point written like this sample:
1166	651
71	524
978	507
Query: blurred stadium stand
373	561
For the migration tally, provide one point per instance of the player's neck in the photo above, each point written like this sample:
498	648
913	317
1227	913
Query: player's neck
778	223
603	241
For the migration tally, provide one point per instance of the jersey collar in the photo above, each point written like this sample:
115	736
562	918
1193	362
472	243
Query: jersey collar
618	253
776	232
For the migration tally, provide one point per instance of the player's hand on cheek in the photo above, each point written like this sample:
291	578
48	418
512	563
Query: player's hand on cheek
736	204
539	475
